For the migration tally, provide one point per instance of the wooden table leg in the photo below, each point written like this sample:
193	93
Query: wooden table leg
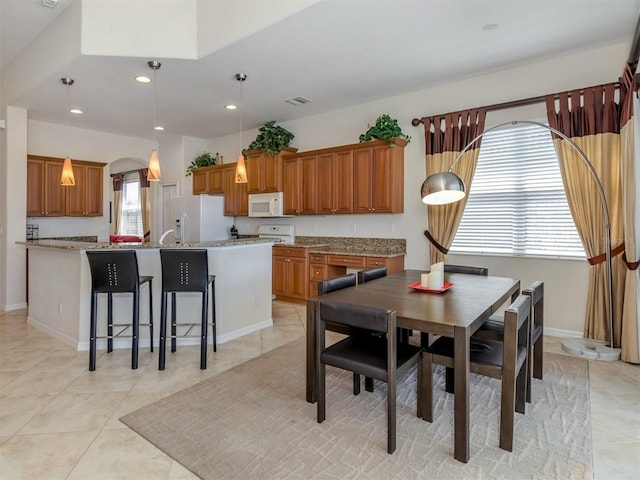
311	351
461	394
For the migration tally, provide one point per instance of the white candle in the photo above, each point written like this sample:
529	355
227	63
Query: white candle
424	280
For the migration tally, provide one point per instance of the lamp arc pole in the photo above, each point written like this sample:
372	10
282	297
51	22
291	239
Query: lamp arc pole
605	208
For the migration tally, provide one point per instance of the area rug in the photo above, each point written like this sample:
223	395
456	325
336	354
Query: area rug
252	422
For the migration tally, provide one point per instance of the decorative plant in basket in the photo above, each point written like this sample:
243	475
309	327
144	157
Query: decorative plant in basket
385	128
271	138
203	160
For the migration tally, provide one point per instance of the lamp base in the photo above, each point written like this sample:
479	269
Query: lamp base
590	349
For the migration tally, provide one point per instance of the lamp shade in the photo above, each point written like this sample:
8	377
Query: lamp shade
442	188
66	178
153	173
241	170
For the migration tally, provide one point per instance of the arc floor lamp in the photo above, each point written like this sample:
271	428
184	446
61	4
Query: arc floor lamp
446	187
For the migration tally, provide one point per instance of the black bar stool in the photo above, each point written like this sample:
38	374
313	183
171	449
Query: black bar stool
186	270
116	271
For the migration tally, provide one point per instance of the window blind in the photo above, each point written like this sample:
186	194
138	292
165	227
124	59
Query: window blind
517	204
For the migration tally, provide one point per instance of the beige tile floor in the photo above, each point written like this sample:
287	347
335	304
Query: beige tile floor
59	421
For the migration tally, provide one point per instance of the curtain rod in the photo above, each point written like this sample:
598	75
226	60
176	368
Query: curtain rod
512	104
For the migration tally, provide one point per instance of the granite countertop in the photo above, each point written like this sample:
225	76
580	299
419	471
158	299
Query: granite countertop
79	245
361	247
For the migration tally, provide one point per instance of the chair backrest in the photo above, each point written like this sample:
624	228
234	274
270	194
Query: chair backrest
516	322
336	283
371	274
536	292
350	315
184	269
113	271
466	269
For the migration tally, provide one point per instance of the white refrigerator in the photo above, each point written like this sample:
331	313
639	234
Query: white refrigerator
200	218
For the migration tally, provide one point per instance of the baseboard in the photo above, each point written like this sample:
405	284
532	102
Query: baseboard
67	340
11	308
556	332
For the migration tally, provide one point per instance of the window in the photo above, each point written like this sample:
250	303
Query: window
517	204
131	209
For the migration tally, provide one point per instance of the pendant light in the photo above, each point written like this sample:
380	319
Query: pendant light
241	168
66	178
153	172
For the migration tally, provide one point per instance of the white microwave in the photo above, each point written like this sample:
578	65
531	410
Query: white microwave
266	204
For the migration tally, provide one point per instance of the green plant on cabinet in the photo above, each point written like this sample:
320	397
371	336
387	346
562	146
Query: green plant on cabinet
385	128
272	139
203	160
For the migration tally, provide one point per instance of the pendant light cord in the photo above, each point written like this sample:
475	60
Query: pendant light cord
155	109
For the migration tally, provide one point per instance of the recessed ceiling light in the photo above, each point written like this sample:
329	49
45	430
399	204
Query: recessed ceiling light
160	128
77	111
231	107
490	27
143	79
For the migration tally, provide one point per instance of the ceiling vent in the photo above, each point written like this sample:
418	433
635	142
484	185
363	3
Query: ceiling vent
50	3
297	101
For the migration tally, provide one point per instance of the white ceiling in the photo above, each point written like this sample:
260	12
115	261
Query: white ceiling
336	53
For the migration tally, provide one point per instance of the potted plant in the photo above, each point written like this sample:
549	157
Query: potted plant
203	160
272	139
386	128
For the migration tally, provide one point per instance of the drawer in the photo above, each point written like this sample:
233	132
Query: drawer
318	258
376	262
318	272
347	260
282	251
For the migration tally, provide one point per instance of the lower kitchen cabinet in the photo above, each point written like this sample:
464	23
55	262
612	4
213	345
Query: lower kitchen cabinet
290	270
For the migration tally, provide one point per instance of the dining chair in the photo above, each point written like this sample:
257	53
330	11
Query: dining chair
116	271
493	328
371	274
380	357
505	360
469	270
186	270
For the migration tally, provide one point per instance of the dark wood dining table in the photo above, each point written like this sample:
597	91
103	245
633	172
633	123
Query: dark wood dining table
457	312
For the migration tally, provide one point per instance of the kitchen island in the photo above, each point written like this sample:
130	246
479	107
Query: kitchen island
60	290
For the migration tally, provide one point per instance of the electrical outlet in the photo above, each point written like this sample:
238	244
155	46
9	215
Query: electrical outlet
60	308
392	227
354	227
315	227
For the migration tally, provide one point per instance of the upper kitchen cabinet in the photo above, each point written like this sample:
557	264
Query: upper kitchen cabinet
47	198
208	180
378	173
85	198
299	184
264	172
236	199
335	182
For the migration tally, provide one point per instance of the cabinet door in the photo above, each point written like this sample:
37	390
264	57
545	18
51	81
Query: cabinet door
93	191
236	200
54	193
387	184
35	188
279	274
297	277
215	181
325	184
75	199
308	185
362	180
343	182
291	186
255	173
199	182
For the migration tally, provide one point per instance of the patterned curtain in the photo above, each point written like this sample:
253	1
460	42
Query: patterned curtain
145	203
630	159
591	120
118	181
445	136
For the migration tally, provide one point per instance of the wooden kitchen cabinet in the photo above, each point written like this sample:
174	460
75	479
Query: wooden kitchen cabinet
319	270
289	270
378	173
264	172
335	182
236	199
47	198
85	199
299	185
208	180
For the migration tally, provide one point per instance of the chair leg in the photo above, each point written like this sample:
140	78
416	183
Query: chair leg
507	407
203	332
391	414
136	328
538	354
356	384
521	390
449	379
150	317
163	331
92	332
420	388
427	387
109	322
368	384
320	384
213	314
174	319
